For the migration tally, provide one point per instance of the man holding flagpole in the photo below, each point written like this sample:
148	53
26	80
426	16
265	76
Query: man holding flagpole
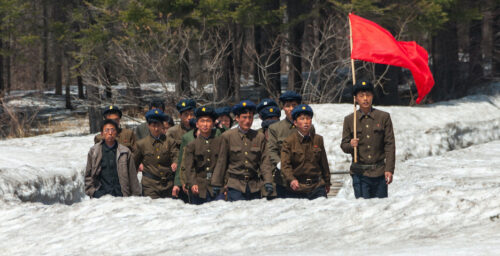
375	145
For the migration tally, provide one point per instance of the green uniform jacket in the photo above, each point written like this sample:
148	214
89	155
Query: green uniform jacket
200	158
141	131
175	133
242	155
305	158
157	156
127	174
125	137
180	178
376	145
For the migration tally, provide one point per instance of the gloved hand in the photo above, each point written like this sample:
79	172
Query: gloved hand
216	190
269	188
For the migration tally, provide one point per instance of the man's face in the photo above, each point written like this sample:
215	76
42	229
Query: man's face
109	133
288	107
186	116
114	117
245	121
364	99
205	125
303	123
225	121
156	129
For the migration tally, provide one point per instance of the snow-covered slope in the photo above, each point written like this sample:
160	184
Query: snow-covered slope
445	200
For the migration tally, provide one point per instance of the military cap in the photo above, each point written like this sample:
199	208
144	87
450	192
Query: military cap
362	85
223	111
112	110
302	109
269	112
205	111
266	123
266	103
242	106
155	116
290	96
185	104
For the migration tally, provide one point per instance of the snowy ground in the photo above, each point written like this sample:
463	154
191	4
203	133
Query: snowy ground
445	199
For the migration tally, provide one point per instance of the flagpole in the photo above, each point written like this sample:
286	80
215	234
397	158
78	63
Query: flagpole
354	96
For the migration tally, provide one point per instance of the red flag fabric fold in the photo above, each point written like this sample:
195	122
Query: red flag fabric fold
373	43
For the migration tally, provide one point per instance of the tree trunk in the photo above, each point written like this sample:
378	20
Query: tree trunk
108	81
475	72
45	45
487	10
496	41
295	35
94	113
183	86
445	63
68	83
58	50
237	41
2	86
79	80
8	66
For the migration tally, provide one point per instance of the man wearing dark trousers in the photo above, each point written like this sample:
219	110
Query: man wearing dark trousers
375	145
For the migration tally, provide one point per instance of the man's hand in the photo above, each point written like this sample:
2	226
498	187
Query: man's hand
141	168
174	167
185	189
327	188
354	142
269	188
294	185
175	191
194	189
216	190
388	178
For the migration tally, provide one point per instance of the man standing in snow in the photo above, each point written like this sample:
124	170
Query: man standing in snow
110	166
278	132
374	143
159	157
124	136
242	159
303	158
142	130
200	157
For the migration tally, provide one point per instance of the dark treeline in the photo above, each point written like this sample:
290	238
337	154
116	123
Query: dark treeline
213	50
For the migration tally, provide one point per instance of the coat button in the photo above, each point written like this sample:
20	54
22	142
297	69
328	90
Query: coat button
208	168
369	146
206	142
368	136
208	159
369	156
246	153
208	150
158	157
367	126
246	162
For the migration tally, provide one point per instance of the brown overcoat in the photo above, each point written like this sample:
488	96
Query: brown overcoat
242	154
376	145
305	158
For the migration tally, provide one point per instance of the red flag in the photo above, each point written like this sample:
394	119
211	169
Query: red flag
371	42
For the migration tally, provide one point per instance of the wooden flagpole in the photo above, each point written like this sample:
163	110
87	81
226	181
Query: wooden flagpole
354	96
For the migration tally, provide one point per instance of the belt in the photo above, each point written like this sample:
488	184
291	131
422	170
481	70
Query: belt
164	179
243	177
309	180
364	167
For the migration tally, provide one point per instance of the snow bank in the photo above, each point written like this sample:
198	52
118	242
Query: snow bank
440	205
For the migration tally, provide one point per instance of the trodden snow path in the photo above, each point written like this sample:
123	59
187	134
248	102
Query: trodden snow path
444	199
440	205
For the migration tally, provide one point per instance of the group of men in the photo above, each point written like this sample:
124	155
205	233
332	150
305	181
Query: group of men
206	157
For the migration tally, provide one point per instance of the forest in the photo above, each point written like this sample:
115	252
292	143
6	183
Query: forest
222	51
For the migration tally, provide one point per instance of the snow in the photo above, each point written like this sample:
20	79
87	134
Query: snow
444	199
